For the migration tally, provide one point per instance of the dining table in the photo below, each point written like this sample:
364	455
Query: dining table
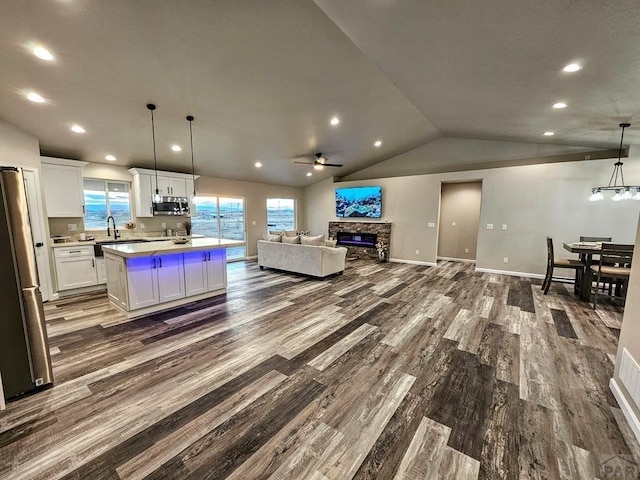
586	251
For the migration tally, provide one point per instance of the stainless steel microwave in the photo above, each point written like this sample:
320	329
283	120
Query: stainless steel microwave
172	206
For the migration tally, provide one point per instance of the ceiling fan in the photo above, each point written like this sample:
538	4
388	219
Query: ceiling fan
320	162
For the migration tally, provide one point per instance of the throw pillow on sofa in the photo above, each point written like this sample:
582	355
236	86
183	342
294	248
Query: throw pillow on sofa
317	241
295	239
271	238
289	233
330	243
276	232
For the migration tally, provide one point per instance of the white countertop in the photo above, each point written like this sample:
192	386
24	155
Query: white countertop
167	247
122	240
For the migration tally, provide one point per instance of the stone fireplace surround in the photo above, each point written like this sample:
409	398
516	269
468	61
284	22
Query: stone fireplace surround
381	229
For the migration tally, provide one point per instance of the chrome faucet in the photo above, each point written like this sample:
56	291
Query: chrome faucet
116	235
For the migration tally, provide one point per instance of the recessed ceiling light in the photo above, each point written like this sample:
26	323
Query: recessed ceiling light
560	105
572	67
176	148
378	143
258	164
111	158
77	129
335	121
35	97
548	134
309	174
42	53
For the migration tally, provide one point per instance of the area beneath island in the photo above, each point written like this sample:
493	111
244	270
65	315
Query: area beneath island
143	278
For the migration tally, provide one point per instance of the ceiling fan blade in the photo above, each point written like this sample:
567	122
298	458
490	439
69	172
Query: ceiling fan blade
304	163
332	164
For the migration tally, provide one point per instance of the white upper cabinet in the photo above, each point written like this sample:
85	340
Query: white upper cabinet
63	187
169	185
143	189
172	186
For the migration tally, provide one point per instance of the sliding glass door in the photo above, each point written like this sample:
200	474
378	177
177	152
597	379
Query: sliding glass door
221	217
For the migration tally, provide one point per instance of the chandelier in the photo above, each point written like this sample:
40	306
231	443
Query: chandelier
621	191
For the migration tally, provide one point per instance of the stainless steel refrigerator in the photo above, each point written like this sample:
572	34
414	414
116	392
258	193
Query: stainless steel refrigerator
25	363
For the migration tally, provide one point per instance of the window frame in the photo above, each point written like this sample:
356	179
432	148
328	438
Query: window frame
105	182
295	211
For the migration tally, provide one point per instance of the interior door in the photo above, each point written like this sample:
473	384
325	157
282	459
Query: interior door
36	218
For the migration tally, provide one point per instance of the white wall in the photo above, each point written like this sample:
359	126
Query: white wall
533	201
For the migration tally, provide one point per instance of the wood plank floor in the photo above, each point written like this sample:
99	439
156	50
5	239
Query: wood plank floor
390	371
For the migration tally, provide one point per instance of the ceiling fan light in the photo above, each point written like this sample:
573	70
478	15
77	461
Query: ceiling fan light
318	166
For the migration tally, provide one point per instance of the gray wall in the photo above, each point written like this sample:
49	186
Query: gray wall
630	332
18	147
533	201
459	220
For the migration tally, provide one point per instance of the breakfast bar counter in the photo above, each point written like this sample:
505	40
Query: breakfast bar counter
144	278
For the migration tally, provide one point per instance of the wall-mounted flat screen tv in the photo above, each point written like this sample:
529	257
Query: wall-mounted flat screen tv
359	202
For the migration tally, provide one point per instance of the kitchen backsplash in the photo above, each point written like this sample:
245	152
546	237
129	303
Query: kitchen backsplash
152	226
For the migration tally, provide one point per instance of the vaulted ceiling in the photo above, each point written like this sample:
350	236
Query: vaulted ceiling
263	79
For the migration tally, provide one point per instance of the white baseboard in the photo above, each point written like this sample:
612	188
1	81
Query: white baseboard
627	411
453	259
507	272
413	262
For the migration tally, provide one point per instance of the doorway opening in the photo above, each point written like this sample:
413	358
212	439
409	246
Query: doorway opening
459	221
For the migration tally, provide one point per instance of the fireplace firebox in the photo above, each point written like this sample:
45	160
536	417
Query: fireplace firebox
349	239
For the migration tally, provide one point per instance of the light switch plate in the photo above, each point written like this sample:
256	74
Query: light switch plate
504	226
73	227
489	226
431	225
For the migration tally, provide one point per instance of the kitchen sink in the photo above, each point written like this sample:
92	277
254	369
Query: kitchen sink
97	248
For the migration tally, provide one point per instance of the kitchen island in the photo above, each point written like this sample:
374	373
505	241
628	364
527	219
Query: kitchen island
143	278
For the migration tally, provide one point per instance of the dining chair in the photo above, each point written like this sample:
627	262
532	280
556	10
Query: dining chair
553	263
607	283
615	264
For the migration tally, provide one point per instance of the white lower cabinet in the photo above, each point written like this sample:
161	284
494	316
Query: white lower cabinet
142	285
75	267
101	271
116	280
154	280
205	271
170	270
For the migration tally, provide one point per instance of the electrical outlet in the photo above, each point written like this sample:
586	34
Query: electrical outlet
253	222
453	224
417	252
466	250
431	225
142	225
179	225
164	225
73	227
505	260
489	226
504	226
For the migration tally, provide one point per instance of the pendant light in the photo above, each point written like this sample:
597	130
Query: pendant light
622	191
156	196
193	169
